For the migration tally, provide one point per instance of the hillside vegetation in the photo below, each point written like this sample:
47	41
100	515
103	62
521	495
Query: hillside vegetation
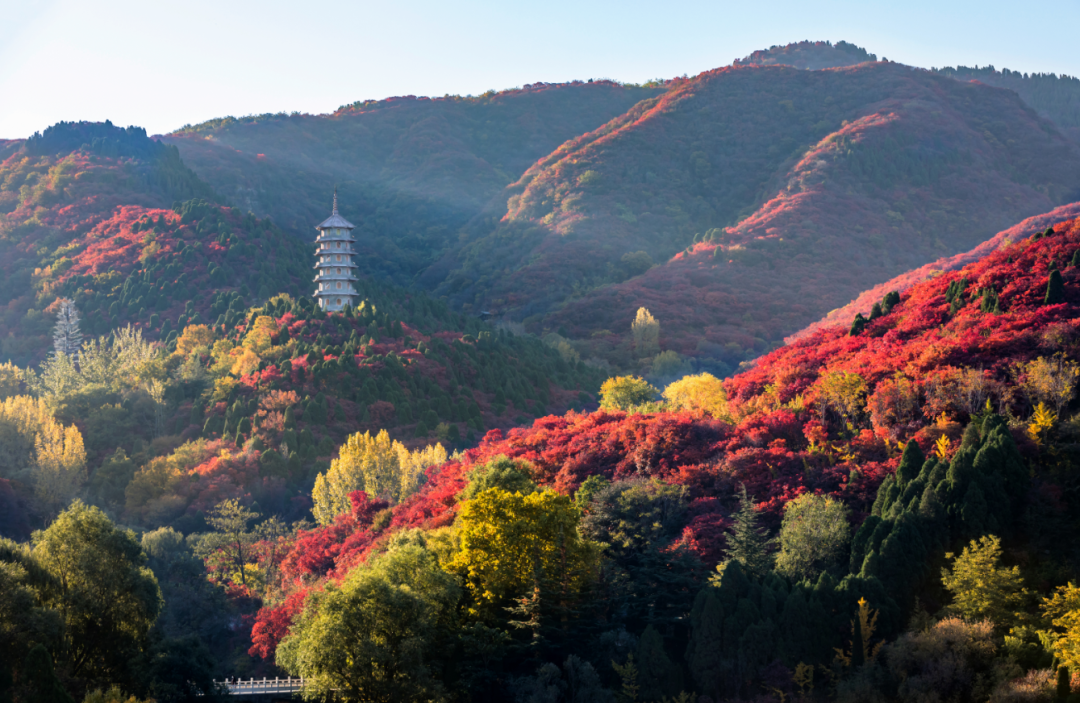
879	169
945	423
413	170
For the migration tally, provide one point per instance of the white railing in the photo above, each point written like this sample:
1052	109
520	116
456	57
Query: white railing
263	687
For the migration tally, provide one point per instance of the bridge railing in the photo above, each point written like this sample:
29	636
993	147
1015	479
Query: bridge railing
262	687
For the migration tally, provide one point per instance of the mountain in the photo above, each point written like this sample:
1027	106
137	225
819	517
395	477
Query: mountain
413	170
949	416
765	196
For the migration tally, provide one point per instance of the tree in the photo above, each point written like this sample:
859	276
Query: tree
813	536
230	518
379	466
502	472
67	339
106	595
1055	289
981	588
857	325
195	338
1062	609
37	450
746	542
1051	381
510	543
702	392
842	392
625	392
646	334
380	635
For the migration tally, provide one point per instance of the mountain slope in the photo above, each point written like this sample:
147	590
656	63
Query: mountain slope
413	170
865	301
881	169
91	212
826	416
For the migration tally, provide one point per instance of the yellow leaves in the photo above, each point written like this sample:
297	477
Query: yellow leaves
981	588
941	447
862	629
699	393
1051	381
843	392
259	337
379	466
37	449
1041	423
61	460
1063	611
645	330
511	542
195	338
625	392
244	361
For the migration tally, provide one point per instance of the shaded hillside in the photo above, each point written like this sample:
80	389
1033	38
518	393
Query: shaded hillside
880	170
958	383
410	171
1057	98
1006	238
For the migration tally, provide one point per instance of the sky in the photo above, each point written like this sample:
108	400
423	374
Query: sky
163	64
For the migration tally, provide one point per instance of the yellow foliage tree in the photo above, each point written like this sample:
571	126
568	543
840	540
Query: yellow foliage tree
195	337
38	450
981	587
624	392
14	380
379	466
511	544
843	392
646	333
61	465
1062	609
699	393
1041	423
244	360
259	337
1051	381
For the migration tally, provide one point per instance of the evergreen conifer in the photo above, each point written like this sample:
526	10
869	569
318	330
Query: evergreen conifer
857	325
746	542
1055	289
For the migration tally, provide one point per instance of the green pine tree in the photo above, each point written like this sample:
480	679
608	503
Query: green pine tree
746	542
857	325
911	463
1055	289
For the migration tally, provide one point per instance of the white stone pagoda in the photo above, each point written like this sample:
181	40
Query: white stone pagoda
334	273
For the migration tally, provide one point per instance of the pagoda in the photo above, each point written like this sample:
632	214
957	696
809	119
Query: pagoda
334	263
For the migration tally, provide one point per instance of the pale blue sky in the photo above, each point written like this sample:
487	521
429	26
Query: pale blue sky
161	64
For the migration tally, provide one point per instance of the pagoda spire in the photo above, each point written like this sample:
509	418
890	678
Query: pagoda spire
335	201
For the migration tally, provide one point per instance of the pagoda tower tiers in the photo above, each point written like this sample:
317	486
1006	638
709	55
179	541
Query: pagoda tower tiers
334	268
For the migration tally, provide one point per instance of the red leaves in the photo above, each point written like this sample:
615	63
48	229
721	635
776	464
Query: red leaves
272	625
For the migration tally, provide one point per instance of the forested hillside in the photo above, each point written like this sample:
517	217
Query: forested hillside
760	226
198	327
889	471
414	170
